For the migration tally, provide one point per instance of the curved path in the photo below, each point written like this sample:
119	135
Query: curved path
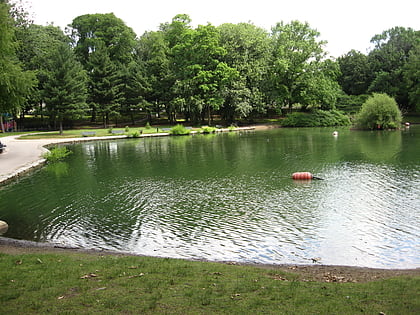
21	156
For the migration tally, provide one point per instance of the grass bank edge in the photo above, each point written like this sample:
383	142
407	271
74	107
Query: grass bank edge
77	282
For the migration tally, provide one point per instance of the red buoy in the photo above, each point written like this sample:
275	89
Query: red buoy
302	175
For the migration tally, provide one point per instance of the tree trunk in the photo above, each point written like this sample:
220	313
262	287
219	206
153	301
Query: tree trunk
61	127
1	123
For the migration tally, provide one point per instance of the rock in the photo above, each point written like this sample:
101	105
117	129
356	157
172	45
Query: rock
3	227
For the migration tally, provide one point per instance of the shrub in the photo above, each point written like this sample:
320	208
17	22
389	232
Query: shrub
380	111
110	130
147	126
179	130
127	129
135	134
316	118
208	129
56	154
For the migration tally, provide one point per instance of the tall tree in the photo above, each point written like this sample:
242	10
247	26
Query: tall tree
411	72
15	83
37	46
153	52
297	62
104	85
248	51
387	60
201	76
65	89
356	75
87	31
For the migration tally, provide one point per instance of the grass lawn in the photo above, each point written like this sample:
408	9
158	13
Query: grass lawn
78	133
79	283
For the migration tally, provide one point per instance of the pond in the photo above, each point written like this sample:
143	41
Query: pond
230	197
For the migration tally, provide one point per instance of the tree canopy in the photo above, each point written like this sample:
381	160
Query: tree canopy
234	71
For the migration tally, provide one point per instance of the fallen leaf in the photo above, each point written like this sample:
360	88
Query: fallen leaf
90	275
135	276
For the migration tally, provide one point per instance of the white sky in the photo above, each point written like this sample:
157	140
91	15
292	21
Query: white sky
345	25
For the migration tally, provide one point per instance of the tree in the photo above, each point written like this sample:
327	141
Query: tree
248	51
104	85
380	111
297	65
387	60
356	75
65	89
15	83
200	75
134	89
90	30
37	46
153	52
411	72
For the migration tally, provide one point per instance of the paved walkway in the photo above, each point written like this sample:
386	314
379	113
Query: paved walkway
21	156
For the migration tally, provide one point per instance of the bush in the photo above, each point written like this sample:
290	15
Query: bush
208	129
135	134
147	126
316	118
179	130
56	154
380	111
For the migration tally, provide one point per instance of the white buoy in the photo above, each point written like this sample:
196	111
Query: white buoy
3	227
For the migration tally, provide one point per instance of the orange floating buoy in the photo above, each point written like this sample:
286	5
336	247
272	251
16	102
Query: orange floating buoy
304	176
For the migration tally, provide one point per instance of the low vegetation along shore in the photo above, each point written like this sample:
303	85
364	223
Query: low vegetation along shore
37	280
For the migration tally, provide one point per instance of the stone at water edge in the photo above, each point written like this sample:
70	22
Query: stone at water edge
3	227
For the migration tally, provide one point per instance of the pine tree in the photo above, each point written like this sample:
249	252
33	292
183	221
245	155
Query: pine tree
105	85
65	91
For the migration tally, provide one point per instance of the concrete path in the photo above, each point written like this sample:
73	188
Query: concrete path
21	156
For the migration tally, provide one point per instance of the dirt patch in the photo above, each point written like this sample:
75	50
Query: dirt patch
314	272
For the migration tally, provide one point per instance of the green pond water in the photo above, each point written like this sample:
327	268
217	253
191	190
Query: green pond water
230	197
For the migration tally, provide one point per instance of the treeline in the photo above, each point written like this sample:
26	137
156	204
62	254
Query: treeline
100	68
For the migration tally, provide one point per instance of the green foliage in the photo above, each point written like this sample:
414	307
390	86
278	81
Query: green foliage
65	89
355	74
179	130
316	118
350	104
208	129
135	134
147	126
380	111
56	154
127	129
15	83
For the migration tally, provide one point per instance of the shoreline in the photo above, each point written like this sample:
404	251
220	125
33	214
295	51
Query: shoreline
314	272
23	156
34	160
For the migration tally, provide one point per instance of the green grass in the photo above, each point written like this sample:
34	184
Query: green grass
75	283
78	133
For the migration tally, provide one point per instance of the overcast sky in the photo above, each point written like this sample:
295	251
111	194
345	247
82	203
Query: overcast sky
345	25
